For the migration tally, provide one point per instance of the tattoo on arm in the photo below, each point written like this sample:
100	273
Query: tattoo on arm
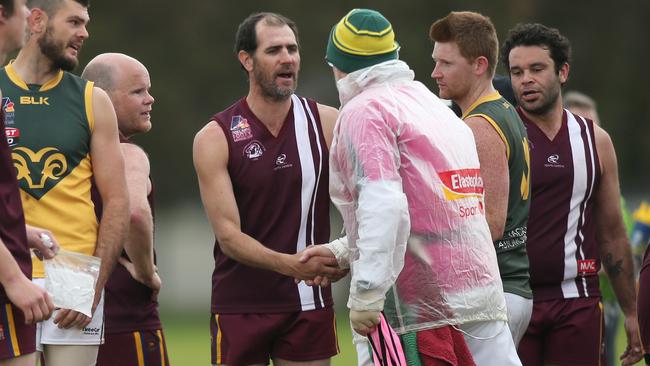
613	267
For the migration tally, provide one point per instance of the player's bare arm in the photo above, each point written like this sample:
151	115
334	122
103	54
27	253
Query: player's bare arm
108	172
614	245
494	171
139	242
31	299
210	161
328	116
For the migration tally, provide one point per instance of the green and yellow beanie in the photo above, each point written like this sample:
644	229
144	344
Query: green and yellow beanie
362	38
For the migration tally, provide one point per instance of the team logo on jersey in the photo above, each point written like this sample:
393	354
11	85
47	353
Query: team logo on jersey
462	183
31	100
553	161
254	150
587	266
10	112
240	129
38	172
13	135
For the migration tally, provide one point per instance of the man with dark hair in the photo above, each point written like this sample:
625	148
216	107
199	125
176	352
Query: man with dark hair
465	53
575	217
133	329
68	140
22	303
269	138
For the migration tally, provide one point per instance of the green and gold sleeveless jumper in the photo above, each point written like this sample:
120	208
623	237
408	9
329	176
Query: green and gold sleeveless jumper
53	124
511	248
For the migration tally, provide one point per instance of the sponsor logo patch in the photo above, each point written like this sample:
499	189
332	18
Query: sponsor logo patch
91	331
10	111
13	135
462	183
587	266
281	162
240	129
553	161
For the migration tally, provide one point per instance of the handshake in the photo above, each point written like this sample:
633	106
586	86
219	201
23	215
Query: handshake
317	265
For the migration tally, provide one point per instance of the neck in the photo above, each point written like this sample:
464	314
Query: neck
550	121
479	90
270	112
33	67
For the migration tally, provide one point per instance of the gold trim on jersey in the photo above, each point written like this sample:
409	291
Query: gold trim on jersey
88	99
15	345
481	100
13	76
67	211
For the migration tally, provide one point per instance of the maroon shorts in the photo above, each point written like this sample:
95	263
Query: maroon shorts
564	332
244	339
143	348
643	302
16	338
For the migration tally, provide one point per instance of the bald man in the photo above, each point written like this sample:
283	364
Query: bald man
133	331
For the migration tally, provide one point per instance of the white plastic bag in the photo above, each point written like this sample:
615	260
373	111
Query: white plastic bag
70	279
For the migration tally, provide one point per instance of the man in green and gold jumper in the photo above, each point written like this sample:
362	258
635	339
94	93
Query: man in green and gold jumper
466	50
66	140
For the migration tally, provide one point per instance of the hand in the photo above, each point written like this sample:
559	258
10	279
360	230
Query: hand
364	322
66	318
42	241
633	353
35	303
320	251
153	281
316	266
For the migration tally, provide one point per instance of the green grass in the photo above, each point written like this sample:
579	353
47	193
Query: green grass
188	340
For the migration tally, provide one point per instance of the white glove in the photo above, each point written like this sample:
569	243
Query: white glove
364	322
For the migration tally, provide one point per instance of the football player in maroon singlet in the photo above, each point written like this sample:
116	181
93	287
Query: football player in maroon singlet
262	166
133	331
575	218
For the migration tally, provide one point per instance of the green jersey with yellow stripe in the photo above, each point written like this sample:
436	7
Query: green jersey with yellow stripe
51	128
511	248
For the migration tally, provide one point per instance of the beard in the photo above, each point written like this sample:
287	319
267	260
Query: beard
545	105
270	89
55	52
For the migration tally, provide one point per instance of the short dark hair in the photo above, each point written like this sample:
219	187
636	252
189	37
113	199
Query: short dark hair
535	34
473	33
8	8
246	38
52	6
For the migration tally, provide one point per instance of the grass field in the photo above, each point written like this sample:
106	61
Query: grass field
188	340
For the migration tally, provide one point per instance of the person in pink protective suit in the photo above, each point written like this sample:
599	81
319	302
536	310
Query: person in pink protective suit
405	175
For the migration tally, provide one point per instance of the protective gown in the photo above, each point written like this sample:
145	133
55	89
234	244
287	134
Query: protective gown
405	177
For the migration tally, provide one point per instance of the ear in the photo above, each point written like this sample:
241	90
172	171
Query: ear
481	65
3	18
246	60
563	74
37	21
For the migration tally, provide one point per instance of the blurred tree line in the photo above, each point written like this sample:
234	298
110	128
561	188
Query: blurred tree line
188	48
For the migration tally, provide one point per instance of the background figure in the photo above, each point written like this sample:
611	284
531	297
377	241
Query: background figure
413	249
22	303
575	217
262	166
641	235
465	52
68	142
133	331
